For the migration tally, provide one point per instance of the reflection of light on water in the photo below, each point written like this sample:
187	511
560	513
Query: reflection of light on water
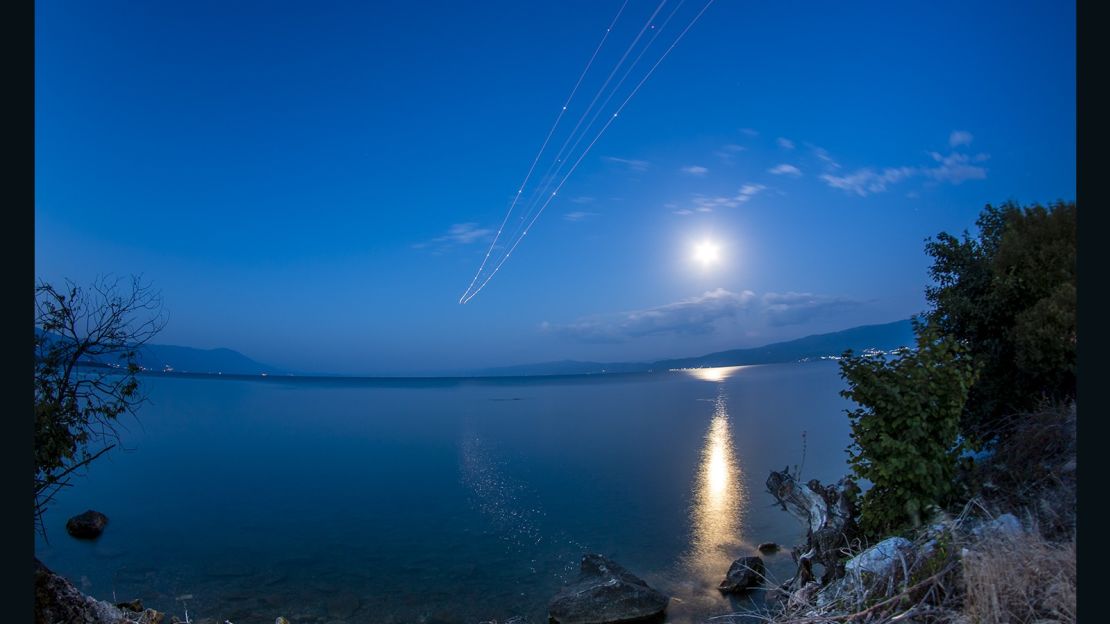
496	495
720	373
719	498
716	469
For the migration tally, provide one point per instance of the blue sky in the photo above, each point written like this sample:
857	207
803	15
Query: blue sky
315	184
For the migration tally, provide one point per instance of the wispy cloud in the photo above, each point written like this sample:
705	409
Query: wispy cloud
696	170
458	234
785	143
823	155
696	315
959	137
703	314
728	153
578	215
636	166
750	132
583	200
865	181
792	308
748	191
955	168
785	169
707	203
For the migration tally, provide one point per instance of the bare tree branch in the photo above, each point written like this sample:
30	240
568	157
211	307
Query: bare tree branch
77	403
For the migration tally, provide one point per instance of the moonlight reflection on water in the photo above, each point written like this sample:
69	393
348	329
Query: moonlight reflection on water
715	513
718	501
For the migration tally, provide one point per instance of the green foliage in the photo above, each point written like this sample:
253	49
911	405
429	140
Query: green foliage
86	341
905	432
1010	296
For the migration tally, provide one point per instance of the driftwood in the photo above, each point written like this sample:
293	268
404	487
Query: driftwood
828	512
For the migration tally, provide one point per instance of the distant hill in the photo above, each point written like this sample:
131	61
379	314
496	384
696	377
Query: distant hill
189	360
884	337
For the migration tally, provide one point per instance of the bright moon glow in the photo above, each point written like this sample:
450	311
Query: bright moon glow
707	253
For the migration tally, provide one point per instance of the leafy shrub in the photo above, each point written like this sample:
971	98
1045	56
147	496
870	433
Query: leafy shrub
905	432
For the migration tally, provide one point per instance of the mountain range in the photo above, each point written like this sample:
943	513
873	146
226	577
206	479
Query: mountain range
172	358
884	337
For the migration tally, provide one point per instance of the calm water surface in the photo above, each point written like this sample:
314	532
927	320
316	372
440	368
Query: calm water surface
461	500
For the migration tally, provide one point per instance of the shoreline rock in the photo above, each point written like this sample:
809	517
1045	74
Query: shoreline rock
745	573
57	600
606	593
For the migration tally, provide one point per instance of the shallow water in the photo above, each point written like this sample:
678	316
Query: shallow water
460	500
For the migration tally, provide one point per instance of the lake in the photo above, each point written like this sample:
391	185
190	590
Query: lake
445	500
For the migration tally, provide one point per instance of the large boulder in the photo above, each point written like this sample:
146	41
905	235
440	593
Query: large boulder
606	593
88	525
57	600
882	559
744	574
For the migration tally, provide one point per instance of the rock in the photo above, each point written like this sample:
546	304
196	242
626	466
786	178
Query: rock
743	574
135	605
606	593
1006	525
57	600
768	548
281	620
88	525
150	616
881	558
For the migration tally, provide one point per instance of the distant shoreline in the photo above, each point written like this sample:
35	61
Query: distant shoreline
417	379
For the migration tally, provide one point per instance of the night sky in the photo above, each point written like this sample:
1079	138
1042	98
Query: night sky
316	184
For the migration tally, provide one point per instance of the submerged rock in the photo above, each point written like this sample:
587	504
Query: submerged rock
768	548
88	525
606	593
744	574
57	600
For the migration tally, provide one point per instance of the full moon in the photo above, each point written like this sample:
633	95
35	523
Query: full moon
707	253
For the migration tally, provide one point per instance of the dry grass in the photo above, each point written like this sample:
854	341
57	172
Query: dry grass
1034	470
953	575
1022	578
958	573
